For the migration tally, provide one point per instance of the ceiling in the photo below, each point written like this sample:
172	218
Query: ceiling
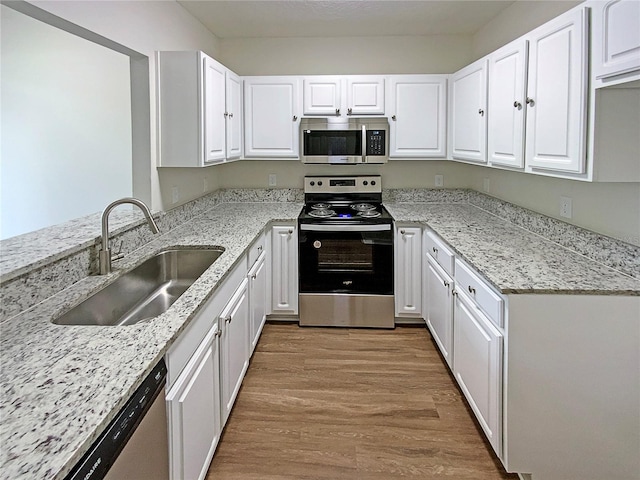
342	18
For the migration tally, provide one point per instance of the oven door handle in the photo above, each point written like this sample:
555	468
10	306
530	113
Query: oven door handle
345	228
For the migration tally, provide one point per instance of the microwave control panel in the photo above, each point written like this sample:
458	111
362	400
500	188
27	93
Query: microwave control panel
376	142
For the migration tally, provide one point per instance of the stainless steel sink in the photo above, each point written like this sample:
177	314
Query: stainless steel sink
144	292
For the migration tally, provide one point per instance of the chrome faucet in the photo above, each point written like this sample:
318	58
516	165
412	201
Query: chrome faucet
105	251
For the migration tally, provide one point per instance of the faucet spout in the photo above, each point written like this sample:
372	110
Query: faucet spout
105	251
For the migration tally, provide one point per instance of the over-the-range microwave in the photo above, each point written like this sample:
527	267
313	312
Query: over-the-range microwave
350	141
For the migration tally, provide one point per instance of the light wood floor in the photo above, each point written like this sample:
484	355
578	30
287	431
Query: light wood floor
320	403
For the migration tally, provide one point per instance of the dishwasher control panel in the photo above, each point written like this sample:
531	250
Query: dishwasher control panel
98	460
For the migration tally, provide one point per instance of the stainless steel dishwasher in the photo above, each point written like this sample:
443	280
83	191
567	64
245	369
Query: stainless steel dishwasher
135	445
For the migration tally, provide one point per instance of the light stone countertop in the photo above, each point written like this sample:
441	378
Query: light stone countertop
62	385
513	259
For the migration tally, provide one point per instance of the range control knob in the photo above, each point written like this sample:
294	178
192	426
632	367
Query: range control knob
312	183
373	182
320	183
365	183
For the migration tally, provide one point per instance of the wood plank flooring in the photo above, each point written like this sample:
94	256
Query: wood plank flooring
333	403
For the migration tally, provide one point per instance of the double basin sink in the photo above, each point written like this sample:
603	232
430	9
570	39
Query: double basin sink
144	292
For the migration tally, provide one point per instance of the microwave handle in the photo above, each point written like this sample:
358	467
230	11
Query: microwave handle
364	144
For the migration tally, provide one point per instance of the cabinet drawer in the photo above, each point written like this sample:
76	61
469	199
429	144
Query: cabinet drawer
487	300
256	249
186	344
440	253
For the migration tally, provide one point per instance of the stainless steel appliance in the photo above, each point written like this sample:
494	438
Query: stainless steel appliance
135	445
345	253
339	141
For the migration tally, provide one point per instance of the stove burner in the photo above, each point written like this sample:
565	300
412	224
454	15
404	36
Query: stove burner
320	206
362	207
322	213
369	214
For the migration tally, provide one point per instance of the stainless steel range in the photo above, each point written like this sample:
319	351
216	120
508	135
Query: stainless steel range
345	253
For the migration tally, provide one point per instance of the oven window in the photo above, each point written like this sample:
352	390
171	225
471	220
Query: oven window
333	142
346	262
345	255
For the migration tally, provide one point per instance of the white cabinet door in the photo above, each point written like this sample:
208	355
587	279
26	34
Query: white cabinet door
234	346
272	117
557	95
507	104
322	95
477	366
439	308
284	270
192	102
616	38
468	113
418	110
194	413
214	109
233	114
365	95
408	265
257	298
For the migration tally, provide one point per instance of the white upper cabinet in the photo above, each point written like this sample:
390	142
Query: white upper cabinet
418	109
194	110
507	104
365	95
468	92
616	38
557	94
272	117
323	95
338	96
214	81
233	116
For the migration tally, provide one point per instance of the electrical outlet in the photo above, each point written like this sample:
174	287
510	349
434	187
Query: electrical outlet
272	180
439	180
565	207
205	185
175	195
486	183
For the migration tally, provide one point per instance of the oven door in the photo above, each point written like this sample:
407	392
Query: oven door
354	259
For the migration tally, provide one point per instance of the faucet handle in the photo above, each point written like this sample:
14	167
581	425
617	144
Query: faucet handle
118	255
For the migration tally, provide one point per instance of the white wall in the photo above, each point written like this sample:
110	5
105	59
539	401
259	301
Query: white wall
395	174
146	27
66	125
346	55
516	20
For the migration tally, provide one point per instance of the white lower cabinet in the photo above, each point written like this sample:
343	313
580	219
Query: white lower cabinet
408	272
234	346
284	270
439	308
477	366
194	416
257	299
